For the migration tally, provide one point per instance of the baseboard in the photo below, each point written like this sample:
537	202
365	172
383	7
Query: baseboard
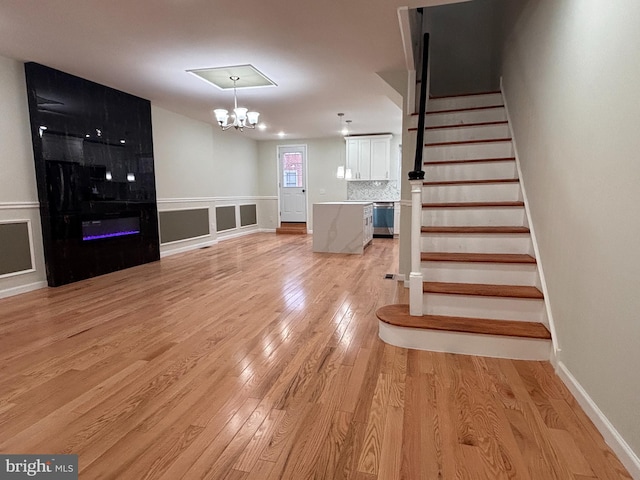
620	447
10	292
534	241
187	248
238	232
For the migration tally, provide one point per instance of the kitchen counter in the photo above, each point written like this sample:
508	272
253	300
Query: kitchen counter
342	227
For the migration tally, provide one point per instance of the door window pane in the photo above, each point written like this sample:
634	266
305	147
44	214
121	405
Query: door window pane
292	170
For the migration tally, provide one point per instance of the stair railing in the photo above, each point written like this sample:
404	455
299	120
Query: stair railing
416	179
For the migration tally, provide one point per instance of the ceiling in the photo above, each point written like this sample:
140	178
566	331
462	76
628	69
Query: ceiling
323	55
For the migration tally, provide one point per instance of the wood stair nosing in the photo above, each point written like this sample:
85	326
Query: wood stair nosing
470	182
472	204
465	109
465	125
483	290
470	160
440	97
476	230
292	228
511	258
468	142
398	315
460	125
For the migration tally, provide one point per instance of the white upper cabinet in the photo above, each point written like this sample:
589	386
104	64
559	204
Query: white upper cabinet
369	158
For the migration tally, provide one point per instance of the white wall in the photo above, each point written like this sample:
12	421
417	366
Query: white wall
571	76
323	157
196	159
199	166
18	194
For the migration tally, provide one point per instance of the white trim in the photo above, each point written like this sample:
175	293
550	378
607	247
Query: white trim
18	205
405	35
214	199
405	203
238	233
613	438
31	249
182	240
543	283
197	246
306	178
184	209
10	292
186	248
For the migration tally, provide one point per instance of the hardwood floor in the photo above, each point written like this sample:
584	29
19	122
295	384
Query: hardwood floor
258	359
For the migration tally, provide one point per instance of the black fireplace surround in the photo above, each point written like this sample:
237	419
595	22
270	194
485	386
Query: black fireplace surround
93	153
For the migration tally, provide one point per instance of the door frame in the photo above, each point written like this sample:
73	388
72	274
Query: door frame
306	178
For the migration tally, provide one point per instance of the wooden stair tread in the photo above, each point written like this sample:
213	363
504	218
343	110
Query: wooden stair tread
398	315
461	125
472	204
471	160
483	290
474	230
471	182
438	97
477	257
292	228
468	142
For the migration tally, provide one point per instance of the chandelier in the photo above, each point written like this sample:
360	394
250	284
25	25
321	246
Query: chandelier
241	117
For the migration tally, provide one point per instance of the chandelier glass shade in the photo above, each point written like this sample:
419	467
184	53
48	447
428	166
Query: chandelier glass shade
241	117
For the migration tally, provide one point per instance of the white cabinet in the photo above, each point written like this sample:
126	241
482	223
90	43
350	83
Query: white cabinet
369	157
367	228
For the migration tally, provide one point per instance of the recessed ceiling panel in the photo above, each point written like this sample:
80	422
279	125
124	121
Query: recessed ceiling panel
249	77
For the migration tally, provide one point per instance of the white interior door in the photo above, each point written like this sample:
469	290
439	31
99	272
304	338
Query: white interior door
292	182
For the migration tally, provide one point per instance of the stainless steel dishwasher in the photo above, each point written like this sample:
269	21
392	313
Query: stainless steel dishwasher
383	219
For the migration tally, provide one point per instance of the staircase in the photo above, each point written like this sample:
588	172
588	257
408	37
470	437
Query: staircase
481	292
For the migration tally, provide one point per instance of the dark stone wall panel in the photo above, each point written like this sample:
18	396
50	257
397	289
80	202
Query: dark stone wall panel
15	249
225	218
93	153
248	215
183	224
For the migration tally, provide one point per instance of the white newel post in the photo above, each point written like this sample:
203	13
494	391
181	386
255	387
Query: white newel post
415	277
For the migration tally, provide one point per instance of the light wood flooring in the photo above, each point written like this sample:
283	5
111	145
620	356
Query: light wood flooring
258	359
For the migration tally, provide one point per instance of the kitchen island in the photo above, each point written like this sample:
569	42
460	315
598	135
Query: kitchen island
342	227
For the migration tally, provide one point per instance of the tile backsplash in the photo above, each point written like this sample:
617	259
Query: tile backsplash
378	190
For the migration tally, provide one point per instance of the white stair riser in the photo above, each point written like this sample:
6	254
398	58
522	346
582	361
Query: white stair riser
486	273
474	217
468	101
477	243
470	171
469	151
461	134
466	343
497	308
461	118
489	192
